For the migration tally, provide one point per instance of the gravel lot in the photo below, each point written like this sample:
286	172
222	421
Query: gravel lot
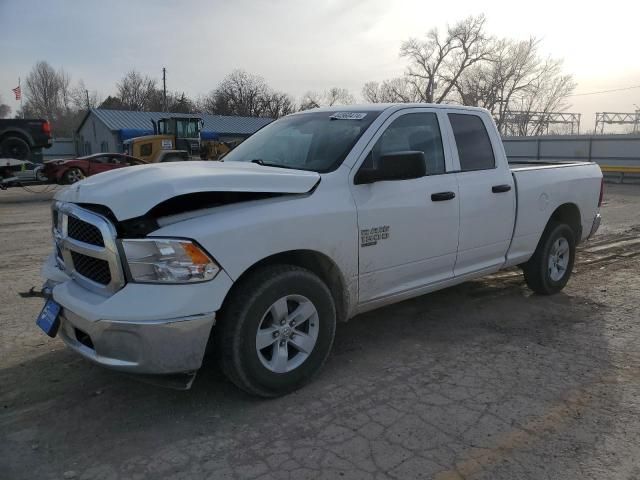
484	380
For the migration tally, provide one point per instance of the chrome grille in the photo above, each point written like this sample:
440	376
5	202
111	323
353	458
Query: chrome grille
92	268
85	232
85	244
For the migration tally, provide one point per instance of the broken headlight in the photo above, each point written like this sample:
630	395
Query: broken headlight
168	260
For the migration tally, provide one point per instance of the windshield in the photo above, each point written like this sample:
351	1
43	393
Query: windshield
310	141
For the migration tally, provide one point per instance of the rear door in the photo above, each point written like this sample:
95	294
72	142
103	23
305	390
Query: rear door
487	193
408	228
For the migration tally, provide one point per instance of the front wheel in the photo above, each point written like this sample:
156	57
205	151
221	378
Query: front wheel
15	147
549	269
277	330
73	175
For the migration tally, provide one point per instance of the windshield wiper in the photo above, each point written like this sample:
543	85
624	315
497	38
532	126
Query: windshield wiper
261	162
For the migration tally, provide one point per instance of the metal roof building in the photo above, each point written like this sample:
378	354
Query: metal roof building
104	130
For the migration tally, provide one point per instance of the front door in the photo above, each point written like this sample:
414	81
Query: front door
408	228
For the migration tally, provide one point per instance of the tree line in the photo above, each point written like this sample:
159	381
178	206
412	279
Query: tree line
463	64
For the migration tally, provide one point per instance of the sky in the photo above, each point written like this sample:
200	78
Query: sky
302	45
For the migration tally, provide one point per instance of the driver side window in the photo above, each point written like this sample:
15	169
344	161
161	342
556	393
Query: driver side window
412	132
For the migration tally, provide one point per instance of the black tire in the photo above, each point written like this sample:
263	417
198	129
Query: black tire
70	176
537	272
235	334
15	147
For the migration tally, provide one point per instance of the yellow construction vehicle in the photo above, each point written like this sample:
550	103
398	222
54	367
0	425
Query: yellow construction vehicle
172	133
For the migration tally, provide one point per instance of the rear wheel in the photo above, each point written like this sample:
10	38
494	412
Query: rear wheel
549	269
73	175
15	147
277	330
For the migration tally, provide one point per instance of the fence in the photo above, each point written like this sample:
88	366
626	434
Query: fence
617	155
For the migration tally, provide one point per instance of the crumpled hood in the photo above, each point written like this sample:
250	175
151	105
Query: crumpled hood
133	191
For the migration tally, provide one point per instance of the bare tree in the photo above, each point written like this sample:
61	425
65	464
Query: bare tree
395	90
242	93
435	64
516	78
84	99
42	94
48	95
5	110
135	91
277	104
328	98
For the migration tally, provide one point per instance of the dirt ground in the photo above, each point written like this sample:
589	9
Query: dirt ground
482	381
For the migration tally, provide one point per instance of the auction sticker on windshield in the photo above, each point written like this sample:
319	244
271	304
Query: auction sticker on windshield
348	116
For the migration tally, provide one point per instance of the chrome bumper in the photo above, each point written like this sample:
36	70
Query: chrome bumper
596	224
159	347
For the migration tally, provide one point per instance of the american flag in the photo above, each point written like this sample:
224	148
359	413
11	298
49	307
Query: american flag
17	92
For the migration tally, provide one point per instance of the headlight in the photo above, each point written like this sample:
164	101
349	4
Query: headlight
167	260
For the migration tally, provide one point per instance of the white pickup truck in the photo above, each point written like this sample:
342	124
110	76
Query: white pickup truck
317	217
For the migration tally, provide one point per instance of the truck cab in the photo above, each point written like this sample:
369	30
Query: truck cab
171	133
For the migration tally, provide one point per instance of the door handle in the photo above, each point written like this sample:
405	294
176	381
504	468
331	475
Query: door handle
442	196
500	188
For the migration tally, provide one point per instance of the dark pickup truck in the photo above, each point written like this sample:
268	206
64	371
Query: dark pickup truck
19	137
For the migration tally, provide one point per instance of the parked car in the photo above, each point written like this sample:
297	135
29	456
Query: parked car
317	217
19	137
22	170
73	170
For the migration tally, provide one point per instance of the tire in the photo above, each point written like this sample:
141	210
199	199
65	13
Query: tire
15	147
72	176
549	269
253	314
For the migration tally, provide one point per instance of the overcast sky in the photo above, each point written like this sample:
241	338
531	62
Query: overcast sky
304	45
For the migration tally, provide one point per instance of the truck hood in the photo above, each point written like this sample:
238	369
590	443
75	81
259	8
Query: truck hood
133	191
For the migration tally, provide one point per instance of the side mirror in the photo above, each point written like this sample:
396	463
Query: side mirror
394	166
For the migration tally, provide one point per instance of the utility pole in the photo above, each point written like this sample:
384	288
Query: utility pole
86	92
164	88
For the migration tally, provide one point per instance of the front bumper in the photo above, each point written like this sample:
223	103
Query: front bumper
142	328
161	347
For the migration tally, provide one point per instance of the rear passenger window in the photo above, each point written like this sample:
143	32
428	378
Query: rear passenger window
412	132
474	147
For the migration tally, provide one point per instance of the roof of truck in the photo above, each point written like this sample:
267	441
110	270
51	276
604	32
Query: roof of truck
379	107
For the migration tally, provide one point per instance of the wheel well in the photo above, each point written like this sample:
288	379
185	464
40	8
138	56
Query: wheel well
316	262
569	213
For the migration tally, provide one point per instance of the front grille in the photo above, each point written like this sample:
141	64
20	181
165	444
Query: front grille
92	268
84	232
86	248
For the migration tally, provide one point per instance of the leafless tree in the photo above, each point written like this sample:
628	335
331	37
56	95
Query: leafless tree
277	104
395	90
5	110
436	63
328	98
135	91
48	95
43	95
84	99
242	93
516	77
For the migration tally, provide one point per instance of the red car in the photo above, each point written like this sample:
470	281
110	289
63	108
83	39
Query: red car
73	170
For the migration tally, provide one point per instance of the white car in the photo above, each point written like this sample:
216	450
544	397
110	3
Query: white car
317	217
22	170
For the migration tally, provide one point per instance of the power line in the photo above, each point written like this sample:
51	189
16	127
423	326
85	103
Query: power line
603	91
